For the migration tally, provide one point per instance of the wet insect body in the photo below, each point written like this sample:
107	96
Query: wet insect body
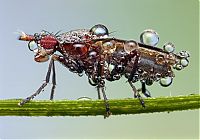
101	58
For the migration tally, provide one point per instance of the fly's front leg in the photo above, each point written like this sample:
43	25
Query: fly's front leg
101	86
53	82
73	66
51	64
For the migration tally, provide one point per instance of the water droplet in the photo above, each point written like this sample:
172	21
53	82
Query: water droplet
108	47
92	54
149	37
178	67
99	30
184	62
166	81
129	46
33	46
169	47
184	54
111	67
160	59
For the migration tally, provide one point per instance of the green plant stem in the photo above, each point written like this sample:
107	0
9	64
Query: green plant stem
9	107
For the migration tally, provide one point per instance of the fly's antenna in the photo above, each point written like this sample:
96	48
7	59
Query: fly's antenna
47	32
19	33
112	32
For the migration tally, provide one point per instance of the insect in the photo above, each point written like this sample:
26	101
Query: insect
103	58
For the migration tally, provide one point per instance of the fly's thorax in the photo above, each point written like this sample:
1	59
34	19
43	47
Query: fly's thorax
74	36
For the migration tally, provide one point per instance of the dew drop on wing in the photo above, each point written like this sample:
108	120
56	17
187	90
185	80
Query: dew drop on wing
169	47
130	45
149	37
184	62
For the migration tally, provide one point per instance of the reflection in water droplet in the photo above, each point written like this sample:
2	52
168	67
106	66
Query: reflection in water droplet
99	30
129	46
149	37
179	67
93	54
33	46
169	47
184	62
165	82
108	47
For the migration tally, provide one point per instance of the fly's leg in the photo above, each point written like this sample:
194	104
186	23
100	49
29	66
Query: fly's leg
101	86
99	93
94	83
108	113
53	82
134	54
144	90
137	94
73	66
41	87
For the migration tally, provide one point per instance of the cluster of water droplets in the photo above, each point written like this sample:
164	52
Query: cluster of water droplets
151	38
183	61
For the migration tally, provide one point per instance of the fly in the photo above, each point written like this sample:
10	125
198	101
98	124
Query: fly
100	57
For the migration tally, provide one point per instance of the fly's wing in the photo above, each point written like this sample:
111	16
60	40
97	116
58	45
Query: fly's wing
154	63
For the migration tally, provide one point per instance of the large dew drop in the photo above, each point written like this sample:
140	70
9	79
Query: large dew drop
149	37
99	30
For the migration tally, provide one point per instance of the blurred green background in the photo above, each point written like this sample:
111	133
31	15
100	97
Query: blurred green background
174	20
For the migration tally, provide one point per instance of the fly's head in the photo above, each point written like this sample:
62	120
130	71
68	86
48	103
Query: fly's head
157	64
42	44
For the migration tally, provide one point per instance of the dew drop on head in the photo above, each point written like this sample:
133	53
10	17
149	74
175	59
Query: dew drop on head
99	30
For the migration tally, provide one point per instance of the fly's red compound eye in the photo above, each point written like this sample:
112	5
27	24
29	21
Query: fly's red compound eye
48	42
